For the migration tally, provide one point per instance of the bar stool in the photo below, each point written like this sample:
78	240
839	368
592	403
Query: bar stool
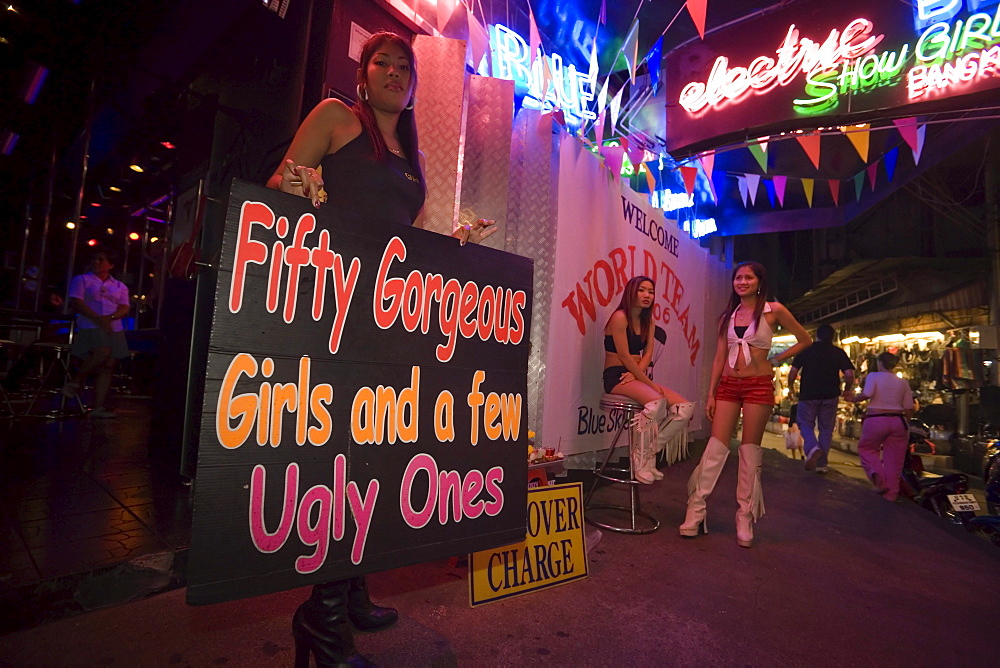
7	348
57	364
639	521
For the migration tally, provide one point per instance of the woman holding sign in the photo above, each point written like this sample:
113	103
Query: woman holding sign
368	154
369	157
628	350
742	382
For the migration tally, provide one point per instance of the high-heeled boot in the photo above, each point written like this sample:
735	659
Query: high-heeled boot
700	485
643	441
678	417
365	615
321	626
748	493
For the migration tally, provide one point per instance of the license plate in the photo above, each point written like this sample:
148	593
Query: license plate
963	502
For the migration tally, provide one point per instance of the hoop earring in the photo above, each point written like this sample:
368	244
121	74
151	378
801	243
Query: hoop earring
362	93
410	106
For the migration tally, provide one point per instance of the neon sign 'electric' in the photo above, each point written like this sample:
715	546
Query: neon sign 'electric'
795	56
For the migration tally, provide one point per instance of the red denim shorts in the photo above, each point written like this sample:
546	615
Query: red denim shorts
748	390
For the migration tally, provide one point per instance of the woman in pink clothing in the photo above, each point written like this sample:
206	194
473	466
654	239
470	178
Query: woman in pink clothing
885	431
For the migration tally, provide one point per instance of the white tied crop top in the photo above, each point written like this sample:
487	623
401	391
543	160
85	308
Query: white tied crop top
756	336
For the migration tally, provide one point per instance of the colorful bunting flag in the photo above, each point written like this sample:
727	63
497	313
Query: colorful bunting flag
753	181
908	130
689	174
810	144
860	139
602	97
921	135
613	156
479	41
602	18
890	162
534	39
872	173
760	153
635	152
697	9
650	177
599	129
807	186
630	49
742	182
779	188
653	61
616	107
835	191
708	164
859	183
769	187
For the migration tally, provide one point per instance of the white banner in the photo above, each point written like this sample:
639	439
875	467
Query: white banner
606	234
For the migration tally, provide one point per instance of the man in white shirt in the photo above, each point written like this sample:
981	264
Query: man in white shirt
100	302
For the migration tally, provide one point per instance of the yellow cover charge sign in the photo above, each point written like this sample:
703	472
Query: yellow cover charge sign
553	552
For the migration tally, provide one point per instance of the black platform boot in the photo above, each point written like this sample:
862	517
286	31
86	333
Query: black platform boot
321	626
365	615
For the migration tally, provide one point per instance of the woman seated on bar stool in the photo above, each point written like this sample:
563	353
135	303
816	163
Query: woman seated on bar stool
628	346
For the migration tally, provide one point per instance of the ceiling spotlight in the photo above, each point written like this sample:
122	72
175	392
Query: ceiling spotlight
70	225
134	236
153	240
115	189
111	230
92	242
97	204
135	168
166	144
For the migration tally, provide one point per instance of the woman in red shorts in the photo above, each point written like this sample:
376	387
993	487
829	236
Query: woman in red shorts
742	380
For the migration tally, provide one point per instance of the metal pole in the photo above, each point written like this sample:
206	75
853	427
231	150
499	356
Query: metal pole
46	221
78	205
24	249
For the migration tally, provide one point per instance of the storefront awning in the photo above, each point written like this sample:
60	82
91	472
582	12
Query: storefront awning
894	288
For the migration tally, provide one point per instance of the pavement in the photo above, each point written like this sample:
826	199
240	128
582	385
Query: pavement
837	576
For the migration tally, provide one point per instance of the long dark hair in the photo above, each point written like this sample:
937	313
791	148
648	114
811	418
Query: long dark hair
734	299
629	295
407	124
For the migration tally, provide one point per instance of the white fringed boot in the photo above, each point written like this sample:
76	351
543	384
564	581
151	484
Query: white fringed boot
748	493
645	426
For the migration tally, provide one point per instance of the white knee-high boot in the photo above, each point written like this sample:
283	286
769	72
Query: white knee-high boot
678	417
749	495
700	485
645	426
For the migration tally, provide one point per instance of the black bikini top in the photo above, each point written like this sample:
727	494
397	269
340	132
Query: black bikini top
635	342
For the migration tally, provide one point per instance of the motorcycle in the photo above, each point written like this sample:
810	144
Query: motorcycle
944	495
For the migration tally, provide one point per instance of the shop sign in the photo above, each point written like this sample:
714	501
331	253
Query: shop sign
566	89
871	58
553	553
364	403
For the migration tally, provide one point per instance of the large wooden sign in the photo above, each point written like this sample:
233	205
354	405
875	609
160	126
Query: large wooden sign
364	399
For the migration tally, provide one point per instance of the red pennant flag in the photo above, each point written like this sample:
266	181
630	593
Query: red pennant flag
689	175
835	191
697	9
810	143
872	173
708	164
534	39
